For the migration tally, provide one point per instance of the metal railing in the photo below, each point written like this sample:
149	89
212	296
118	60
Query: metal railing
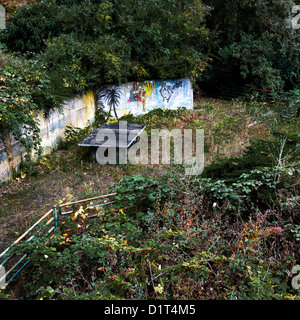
49	223
14	264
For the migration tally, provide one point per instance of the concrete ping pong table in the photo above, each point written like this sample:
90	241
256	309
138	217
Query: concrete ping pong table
119	136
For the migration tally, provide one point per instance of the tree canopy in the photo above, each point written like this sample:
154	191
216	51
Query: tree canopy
256	43
91	43
75	45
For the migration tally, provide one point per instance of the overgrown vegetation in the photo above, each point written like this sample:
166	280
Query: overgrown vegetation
68	47
213	242
88	44
231	233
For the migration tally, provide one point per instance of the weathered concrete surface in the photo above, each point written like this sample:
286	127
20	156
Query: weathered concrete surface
141	97
77	112
136	98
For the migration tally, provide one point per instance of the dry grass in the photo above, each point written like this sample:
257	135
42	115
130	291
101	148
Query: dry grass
228	128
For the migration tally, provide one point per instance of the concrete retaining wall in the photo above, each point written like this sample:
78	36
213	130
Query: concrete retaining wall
142	97
77	112
136	98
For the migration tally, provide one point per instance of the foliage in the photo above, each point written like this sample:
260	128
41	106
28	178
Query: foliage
91	44
159	118
12	5
252	56
256	44
183	250
231	234
86	64
24	35
250	192
22	83
74	135
167	39
283	150
139	191
287	105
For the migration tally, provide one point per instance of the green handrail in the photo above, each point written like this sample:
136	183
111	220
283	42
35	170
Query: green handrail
56	211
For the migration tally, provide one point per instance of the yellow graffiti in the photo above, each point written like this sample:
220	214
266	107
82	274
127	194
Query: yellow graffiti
89	105
149	88
144	104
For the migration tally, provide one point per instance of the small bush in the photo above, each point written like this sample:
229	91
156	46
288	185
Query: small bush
283	150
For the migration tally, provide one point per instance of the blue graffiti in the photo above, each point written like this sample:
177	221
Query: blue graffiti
167	91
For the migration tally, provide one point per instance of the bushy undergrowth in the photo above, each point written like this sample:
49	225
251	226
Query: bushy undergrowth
232	233
194	239
281	149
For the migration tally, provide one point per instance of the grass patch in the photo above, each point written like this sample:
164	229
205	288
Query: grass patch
229	234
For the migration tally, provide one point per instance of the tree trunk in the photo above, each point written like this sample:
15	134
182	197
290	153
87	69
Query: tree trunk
115	111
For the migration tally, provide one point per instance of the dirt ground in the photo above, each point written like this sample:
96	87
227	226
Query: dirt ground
61	176
23	201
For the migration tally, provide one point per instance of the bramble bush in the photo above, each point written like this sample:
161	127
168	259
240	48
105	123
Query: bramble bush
231	233
191	248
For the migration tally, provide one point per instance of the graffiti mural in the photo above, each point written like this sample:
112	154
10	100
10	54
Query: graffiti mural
141	97
110	96
149	88
140	91
135	93
167	91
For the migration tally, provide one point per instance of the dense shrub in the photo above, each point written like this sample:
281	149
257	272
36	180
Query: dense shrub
189	249
283	150
256	44
91	44
25	90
